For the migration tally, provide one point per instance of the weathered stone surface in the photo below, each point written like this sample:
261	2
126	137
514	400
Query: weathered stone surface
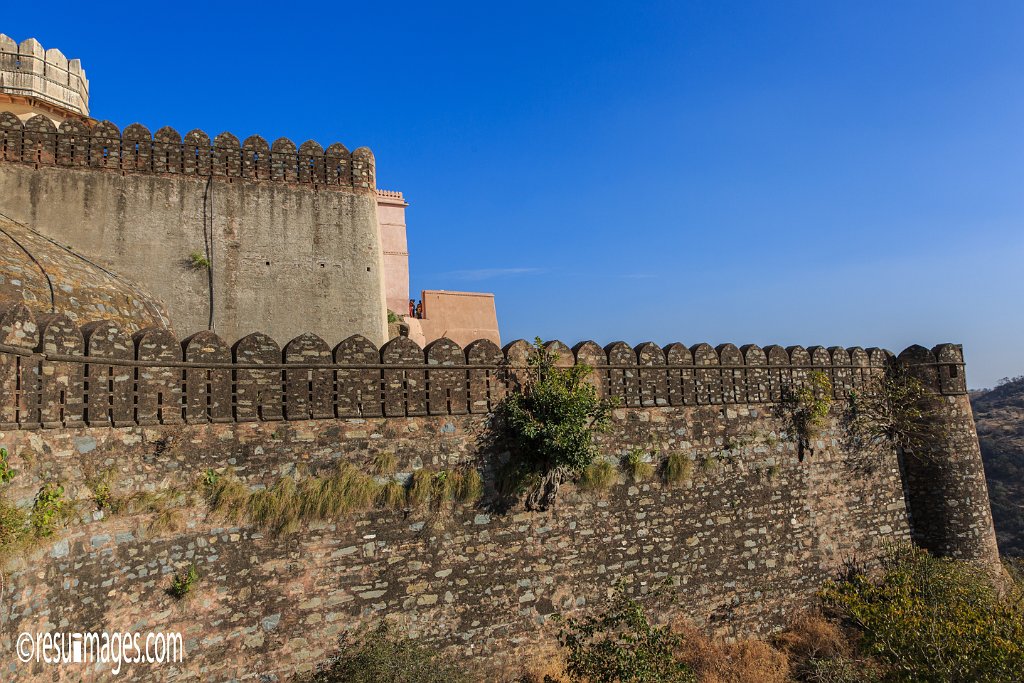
746	542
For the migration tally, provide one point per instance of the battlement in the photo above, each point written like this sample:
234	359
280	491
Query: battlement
29	70
80	144
49	366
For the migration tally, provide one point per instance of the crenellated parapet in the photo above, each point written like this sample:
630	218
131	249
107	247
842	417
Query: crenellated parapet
55	373
28	70
76	143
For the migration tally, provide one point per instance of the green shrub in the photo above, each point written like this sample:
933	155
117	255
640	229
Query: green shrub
380	654
183	581
6	473
933	619
678	469
102	494
198	260
48	509
550	419
621	646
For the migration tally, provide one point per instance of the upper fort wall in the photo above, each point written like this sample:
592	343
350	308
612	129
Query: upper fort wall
270	224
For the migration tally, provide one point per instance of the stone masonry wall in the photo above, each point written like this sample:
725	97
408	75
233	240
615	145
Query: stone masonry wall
743	545
275	223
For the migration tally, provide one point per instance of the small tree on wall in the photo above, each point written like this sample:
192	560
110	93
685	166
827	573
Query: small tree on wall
551	418
895	411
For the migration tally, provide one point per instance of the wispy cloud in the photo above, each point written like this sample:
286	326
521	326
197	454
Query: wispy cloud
490	273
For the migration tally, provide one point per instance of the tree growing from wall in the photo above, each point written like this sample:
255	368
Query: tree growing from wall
550	419
895	411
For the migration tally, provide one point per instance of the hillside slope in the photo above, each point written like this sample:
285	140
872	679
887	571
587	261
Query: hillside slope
999	414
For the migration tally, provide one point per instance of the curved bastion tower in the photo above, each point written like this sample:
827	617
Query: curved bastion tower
232	236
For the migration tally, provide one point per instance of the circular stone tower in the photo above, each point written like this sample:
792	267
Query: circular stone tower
37	81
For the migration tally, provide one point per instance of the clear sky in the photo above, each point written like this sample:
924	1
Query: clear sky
808	173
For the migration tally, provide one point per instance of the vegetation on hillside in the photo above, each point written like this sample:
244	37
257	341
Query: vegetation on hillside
999	415
381	654
915	619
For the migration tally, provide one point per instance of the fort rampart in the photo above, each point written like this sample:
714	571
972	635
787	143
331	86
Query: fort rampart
744	543
228	234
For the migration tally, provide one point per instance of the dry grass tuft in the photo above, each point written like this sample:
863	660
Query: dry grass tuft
167	521
392	496
228	499
745	661
811	636
275	508
678	469
472	487
420	488
385	464
636	467
598	477
544	663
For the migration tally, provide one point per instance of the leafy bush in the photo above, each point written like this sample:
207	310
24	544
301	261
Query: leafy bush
47	510
6	473
550	419
198	260
933	619
379	654
183	581
621	646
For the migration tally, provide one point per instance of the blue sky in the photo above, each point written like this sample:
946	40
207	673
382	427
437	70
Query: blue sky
771	172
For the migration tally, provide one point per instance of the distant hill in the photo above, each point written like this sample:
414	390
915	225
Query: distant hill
999	414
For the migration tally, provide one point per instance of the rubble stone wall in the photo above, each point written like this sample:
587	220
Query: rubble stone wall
739	546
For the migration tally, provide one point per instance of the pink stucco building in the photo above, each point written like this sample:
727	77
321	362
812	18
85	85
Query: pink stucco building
459	316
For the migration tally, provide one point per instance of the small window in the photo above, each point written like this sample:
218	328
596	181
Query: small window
954	371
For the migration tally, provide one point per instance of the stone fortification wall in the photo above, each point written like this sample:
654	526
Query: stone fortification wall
48	277
743	542
230	235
